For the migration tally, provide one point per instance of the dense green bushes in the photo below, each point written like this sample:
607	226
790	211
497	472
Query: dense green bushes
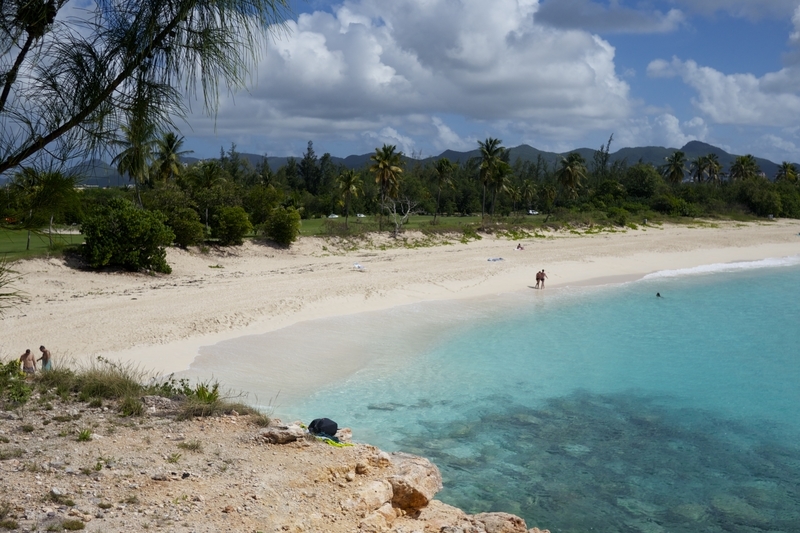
283	225
121	235
231	224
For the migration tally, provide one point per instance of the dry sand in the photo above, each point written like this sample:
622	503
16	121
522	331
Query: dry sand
160	321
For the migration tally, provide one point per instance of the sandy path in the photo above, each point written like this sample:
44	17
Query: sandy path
160	321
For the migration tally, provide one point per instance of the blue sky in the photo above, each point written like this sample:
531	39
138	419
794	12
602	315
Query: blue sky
428	75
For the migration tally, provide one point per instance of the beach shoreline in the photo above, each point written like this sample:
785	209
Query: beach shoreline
161	322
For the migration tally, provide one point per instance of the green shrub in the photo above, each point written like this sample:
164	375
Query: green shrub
14	389
186	225
121	235
130	406
231	224
85	435
283	225
206	394
618	216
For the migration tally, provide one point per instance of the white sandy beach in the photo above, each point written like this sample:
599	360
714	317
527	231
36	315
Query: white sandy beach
160	322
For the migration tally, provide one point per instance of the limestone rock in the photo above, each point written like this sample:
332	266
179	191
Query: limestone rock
345	434
371	497
415	482
380	459
373	523
281	434
501	523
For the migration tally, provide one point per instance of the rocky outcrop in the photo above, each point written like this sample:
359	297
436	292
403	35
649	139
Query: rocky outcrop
405	486
282	434
415	482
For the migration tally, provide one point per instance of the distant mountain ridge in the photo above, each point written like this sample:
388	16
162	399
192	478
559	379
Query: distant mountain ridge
97	173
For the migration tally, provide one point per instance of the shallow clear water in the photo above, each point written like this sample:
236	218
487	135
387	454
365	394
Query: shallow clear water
599	408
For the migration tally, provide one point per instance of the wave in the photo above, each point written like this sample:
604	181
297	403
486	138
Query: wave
772	262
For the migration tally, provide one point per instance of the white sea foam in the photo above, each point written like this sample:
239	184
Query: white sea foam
772	262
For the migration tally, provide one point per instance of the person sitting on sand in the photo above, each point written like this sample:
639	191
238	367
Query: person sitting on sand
519	246
28	362
45	358
542	276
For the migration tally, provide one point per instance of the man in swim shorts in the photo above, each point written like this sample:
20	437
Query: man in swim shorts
28	362
45	358
543	277
538	279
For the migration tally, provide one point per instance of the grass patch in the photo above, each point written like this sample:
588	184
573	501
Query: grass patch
12	453
14	242
105	505
85	435
192	446
173	458
9	524
73	525
27	428
130	406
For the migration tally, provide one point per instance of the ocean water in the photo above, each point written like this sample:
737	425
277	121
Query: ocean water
580	409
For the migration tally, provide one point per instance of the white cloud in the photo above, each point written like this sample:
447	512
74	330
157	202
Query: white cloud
369	65
662	130
446	138
742	99
795	35
391	136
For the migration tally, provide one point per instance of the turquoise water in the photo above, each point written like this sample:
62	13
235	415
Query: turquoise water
602	408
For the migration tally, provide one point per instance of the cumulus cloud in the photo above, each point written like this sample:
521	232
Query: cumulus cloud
662	130
367	65
795	35
446	138
391	136
742	99
613	18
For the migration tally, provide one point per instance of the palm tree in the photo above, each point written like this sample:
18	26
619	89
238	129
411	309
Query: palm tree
787	172
206	174
515	193
713	168
744	167
43	195
571	172
444	178
675	168
500	180
491	152
547	196
137	152
168	156
349	186
698	168
387	169
527	192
